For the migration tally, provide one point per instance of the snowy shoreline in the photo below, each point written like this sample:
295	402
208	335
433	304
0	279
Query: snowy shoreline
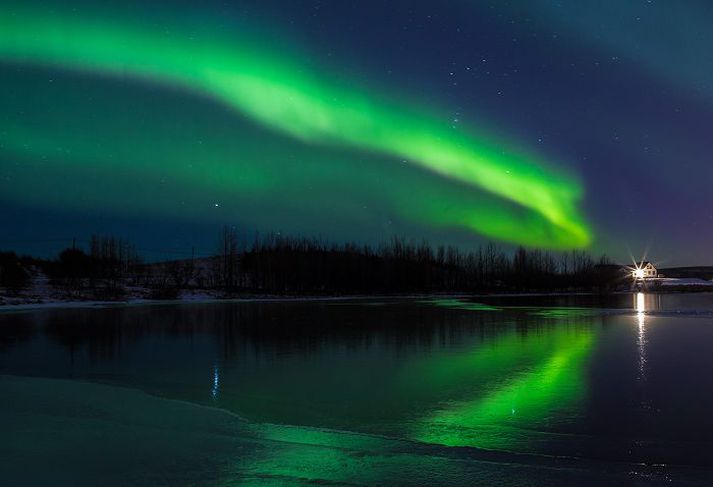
204	299
16	304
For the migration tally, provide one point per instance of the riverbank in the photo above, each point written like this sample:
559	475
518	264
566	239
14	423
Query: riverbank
196	298
20	303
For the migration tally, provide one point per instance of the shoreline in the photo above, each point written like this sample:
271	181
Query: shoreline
207	299
89	303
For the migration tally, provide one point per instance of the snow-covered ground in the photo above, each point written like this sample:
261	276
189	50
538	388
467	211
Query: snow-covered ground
687	281
42	295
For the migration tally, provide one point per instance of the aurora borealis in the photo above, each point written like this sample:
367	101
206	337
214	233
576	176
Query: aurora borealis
197	116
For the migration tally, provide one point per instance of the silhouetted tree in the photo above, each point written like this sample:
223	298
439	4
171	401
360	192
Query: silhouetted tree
13	275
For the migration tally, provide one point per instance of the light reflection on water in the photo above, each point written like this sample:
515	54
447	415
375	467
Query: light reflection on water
216	382
643	304
640	307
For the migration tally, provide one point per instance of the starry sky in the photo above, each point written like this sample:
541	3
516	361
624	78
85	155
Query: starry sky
550	124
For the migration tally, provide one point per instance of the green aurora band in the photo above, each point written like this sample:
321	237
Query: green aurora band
290	99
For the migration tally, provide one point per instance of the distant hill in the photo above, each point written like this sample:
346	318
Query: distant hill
700	272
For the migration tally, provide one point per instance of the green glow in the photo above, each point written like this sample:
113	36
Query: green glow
193	445
527	381
508	386
536	206
521	400
464	305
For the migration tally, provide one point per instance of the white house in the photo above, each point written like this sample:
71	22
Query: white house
644	270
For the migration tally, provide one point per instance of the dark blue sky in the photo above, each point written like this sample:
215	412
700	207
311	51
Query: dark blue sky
618	94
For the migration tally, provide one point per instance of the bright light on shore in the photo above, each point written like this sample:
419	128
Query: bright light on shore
639	273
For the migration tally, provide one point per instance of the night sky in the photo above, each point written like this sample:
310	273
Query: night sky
551	124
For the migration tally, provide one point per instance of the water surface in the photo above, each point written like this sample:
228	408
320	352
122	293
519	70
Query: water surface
522	390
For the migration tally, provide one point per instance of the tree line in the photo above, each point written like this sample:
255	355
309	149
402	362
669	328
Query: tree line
284	265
